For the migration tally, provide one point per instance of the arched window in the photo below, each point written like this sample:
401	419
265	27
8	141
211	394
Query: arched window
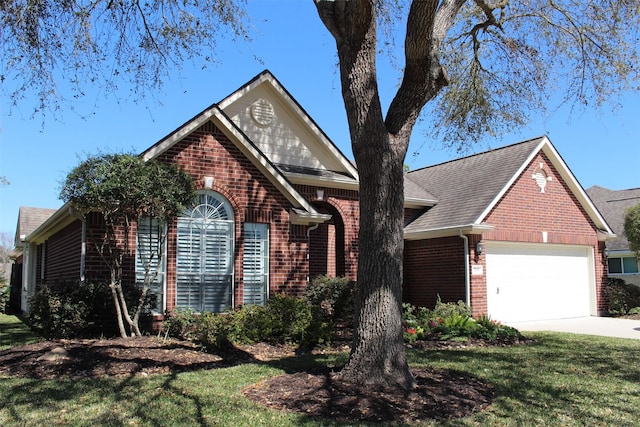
204	261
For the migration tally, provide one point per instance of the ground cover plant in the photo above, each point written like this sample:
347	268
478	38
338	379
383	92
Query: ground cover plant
555	379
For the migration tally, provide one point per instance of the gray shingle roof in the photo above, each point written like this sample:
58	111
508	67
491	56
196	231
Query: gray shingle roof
464	188
612	205
29	219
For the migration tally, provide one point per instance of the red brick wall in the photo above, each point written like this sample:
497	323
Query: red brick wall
62	255
524	212
434	267
208	152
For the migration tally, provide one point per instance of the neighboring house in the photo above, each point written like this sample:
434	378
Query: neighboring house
613	204
509	231
23	285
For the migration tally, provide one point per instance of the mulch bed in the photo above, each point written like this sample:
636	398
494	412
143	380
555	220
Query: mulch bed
439	394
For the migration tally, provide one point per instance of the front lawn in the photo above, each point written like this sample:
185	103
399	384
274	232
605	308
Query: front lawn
560	379
13	332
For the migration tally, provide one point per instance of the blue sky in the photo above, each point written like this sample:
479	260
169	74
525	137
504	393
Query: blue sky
601	148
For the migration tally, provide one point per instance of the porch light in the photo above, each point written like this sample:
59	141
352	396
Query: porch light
479	248
320	193
605	254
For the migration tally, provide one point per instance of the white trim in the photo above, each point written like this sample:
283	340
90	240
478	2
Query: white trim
604	231
320	181
448	231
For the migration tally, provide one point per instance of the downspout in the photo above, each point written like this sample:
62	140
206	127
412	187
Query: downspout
467	280
309	230
83	242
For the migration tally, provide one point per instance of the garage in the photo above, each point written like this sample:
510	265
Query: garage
527	282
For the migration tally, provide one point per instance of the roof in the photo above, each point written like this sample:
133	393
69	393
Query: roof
333	169
467	189
29	219
613	204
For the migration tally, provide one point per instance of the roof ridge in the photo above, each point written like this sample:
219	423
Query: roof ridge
530	140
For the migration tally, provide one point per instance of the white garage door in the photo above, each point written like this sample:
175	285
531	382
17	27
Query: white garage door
538	281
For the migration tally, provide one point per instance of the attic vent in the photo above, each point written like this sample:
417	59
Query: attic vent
541	178
262	112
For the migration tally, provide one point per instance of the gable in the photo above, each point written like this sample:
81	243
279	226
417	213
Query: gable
278	126
469	189
540	206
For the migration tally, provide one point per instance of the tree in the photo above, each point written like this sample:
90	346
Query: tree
479	66
490	62
632	227
128	191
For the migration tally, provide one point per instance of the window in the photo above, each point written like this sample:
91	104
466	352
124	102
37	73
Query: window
150	258
623	265
255	264
204	262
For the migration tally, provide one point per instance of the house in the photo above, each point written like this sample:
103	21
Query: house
277	205
509	231
613	204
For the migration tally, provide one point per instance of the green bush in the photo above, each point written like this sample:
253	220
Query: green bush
283	320
5	293
79	309
333	297
180	323
212	330
444	310
451	321
621	297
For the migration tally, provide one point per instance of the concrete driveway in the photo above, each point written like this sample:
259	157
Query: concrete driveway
602	326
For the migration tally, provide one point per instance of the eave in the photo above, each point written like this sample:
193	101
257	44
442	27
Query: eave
449	231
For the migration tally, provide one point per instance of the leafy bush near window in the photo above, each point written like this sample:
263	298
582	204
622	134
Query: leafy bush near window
282	320
79	309
621	297
451	321
333	297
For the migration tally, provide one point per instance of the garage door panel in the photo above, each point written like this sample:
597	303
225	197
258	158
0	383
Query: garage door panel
537	282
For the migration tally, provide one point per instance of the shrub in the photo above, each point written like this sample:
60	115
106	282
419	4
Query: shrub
180	323
212	330
332	297
492	330
5	293
451	321
621	297
282	320
443	310
78	309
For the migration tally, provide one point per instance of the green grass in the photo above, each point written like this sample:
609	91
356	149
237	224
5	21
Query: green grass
13	332
560	380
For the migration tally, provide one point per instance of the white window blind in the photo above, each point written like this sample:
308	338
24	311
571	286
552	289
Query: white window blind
255	264
150	255
204	266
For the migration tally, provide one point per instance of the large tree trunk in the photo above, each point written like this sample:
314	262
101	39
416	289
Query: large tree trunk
377	354
380	145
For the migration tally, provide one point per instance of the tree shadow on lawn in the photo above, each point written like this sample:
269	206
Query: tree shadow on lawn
308	386
554	375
